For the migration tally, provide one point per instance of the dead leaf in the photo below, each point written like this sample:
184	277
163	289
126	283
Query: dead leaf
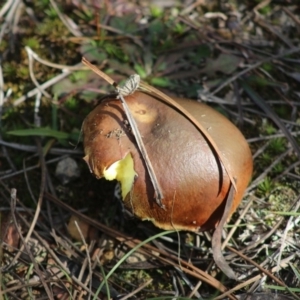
73	230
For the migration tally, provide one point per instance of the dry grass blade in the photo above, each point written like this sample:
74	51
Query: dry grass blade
87	261
253	67
135	130
271	114
140	288
158	192
217	237
251	280
45	85
28	250
176	50
147	249
99	72
268	273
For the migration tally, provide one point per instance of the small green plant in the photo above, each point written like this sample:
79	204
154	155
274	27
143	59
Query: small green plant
140	71
277	145
267	67
266	157
51	13
266	186
155	11
42	4
85	14
278	168
71	103
179	28
267	127
114	51
265	10
161	82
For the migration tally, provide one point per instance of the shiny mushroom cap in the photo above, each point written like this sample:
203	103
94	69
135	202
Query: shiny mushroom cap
192	177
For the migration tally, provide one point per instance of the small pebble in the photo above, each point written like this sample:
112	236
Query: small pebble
67	170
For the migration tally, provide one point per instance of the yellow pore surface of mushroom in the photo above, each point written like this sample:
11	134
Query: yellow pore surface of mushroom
123	171
192	177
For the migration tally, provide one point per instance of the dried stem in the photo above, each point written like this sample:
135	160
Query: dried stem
140	143
127	90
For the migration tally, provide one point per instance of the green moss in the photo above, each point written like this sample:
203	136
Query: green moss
23	72
281	198
3	45
52	30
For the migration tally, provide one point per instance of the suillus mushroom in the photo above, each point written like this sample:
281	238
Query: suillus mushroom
192	178
196	171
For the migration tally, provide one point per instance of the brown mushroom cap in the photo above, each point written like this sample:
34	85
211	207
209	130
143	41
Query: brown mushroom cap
192	178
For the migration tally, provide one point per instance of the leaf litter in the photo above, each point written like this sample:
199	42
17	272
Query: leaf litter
39	257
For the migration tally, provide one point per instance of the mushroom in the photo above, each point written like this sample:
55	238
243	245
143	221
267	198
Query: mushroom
193	178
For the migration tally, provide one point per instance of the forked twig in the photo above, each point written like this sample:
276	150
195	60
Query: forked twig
130	86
